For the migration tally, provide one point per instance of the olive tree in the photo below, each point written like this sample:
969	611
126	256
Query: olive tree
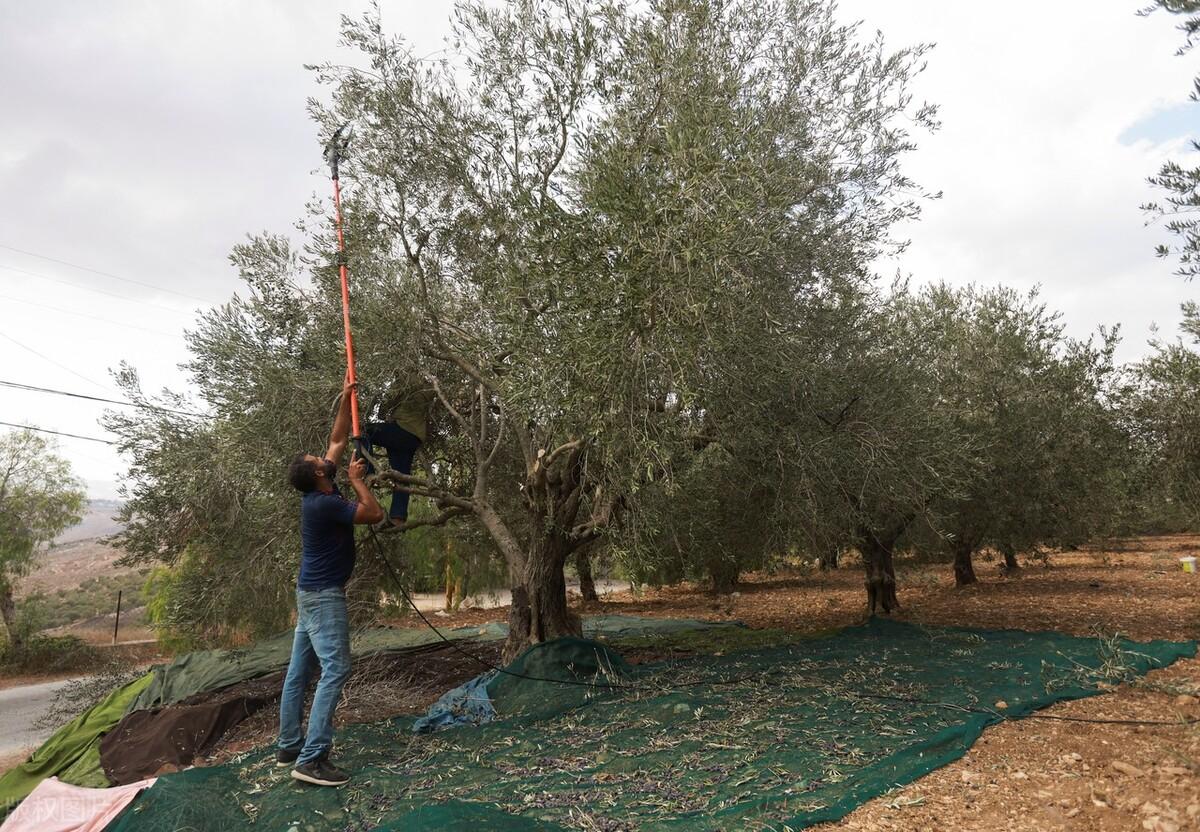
1036	406
870	455
709	523
39	499
1163	404
583	230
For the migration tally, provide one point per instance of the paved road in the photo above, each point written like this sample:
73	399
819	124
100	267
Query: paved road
20	707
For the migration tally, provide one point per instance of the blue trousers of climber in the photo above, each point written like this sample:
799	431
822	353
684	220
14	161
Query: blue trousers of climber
400	446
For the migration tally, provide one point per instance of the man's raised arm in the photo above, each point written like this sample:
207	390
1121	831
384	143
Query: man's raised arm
339	436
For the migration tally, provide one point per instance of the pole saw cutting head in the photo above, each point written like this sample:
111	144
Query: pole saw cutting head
335	148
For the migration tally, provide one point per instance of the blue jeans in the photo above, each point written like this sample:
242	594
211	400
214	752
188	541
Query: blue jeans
322	639
400	446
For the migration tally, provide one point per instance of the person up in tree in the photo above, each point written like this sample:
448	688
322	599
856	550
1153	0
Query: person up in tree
405	427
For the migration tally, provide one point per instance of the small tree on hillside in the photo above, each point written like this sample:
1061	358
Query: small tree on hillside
39	499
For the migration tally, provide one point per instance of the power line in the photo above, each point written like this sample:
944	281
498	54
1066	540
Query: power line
104	273
86	288
52	361
58	433
92	317
18	386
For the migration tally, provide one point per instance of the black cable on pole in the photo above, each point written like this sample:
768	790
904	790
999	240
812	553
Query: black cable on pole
57	433
18	386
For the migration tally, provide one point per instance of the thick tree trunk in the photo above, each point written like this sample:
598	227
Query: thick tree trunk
725	577
539	605
554	494
964	569
880	577
829	558
449	605
878	550
587	584
1010	559
8	611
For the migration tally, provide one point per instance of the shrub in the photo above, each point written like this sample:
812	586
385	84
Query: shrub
49	654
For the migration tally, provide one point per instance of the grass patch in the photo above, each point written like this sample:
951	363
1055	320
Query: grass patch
49	654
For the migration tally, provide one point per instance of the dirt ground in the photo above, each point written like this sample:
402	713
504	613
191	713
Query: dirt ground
10	761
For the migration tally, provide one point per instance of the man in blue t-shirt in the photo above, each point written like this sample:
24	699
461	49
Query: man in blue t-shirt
322	638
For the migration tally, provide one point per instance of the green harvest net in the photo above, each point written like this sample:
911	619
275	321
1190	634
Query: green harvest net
771	737
73	753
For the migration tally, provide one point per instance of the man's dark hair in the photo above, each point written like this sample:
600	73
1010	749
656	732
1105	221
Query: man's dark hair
302	473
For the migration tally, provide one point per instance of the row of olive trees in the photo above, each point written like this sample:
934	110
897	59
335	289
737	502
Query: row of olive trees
946	420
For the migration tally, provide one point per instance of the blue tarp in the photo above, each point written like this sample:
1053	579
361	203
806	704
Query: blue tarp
467	704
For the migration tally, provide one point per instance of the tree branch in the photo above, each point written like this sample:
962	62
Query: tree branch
458	417
547	459
500	425
422	488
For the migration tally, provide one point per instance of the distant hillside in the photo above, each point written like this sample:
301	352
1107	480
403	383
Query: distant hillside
99	521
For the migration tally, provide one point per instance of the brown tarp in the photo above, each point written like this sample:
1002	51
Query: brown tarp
144	742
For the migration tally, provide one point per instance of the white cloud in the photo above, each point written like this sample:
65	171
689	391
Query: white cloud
1039	189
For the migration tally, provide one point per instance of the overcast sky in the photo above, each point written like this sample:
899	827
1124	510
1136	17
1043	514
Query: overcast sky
141	140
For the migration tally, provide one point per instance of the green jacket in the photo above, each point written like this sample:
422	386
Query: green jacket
408	405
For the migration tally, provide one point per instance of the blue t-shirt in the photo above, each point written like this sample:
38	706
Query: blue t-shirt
326	540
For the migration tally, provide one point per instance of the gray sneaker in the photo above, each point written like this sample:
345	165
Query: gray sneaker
320	772
286	756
